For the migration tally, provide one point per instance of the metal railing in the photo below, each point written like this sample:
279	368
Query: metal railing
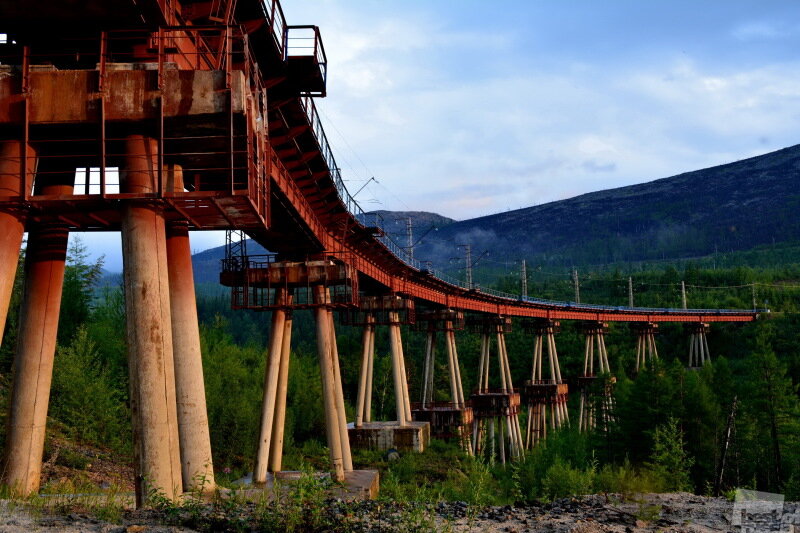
276	20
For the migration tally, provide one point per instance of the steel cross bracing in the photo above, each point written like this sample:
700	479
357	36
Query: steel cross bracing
254	155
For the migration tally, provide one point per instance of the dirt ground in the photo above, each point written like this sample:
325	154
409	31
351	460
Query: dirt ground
677	512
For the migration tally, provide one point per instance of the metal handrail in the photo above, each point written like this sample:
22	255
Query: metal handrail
273	13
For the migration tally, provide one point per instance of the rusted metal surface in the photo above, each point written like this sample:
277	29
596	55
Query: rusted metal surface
494	403
220	73
133	94
441	320
543	391
488	324
259	282
447	420
380	310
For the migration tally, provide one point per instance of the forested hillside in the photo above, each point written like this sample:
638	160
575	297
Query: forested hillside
669	423
729	207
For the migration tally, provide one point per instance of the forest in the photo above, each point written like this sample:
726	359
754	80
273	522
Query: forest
670	423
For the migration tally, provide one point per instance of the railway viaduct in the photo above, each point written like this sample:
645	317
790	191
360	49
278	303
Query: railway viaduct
159	117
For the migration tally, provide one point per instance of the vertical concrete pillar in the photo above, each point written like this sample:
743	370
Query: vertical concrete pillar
195	442
279	422
12	225
33	363
149	319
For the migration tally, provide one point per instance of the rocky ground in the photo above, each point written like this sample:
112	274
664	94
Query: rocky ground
679	512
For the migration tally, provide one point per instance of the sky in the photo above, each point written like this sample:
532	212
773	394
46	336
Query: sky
467	108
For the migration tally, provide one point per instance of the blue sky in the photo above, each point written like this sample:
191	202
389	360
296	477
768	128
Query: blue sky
467	108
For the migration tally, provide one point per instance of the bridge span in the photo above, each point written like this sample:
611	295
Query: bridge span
159	117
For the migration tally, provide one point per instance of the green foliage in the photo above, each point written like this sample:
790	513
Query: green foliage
626	480
85	395
669	461
80	279
234	378
562	480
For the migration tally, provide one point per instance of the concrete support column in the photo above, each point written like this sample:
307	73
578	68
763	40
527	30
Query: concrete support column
33	363
347	459
149	318
367	349
397	372
195	442
270	389
328	383
12	225
279	422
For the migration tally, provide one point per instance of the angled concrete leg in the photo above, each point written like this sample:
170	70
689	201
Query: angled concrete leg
278	426
328	383
195	440
270	392
33	363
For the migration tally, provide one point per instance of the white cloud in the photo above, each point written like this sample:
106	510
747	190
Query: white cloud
760	30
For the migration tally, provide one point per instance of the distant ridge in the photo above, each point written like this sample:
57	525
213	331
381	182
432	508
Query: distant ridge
735	206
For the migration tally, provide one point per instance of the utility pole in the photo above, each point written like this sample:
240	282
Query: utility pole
577	285
410	238
630	291
753	286
468	262
524	279
683	294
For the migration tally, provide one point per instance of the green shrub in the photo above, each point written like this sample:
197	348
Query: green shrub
86	399
669	461
625	479
562	480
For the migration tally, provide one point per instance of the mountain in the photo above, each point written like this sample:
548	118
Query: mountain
729	207
207	264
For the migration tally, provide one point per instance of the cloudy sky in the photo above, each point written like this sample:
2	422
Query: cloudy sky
467	107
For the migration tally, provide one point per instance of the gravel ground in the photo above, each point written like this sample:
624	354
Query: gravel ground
678	512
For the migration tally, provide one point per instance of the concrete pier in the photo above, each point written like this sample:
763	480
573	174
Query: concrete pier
33	363
150	356
193	433
279	422
328	383
270	390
